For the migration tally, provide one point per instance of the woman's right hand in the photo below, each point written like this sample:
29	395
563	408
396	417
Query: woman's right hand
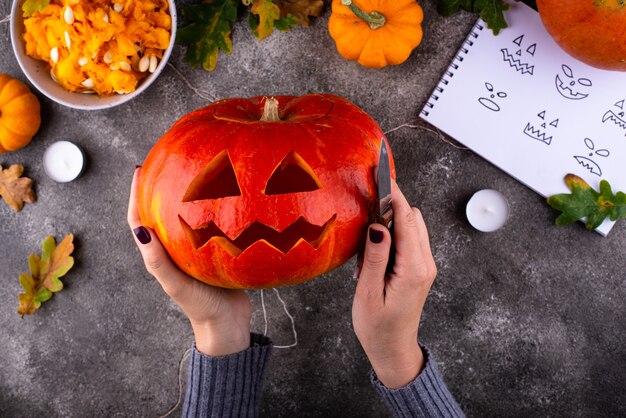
387	306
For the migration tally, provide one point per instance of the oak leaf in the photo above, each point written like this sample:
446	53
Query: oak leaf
15	189
267	12
491	11
585	202
45	271
300	9
208	31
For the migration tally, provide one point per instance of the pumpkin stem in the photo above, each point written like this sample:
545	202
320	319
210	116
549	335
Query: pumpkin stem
270	111
375	19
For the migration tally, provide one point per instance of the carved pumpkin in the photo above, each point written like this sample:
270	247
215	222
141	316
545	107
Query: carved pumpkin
376	33
19	114
592	31
256	193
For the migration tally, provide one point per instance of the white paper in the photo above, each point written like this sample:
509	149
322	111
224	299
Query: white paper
522	103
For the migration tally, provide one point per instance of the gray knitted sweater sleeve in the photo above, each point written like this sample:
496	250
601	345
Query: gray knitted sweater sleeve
426	396
227	386
230	386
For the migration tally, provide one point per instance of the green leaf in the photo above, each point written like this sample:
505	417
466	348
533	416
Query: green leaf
45	271
31	6
208	32
585	202
491	11
266	12
285	23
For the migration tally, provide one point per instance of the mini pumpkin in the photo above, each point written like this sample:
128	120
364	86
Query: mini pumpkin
256	193
19	114
592	31
376	33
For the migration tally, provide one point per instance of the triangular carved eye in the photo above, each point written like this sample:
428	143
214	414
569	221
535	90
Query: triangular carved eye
216	180
293	175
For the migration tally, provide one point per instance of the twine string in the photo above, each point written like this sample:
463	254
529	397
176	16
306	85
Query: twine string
293	322
180	383
424	127
5	19
201	93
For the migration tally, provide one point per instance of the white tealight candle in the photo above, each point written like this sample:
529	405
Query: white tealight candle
63	161
487	210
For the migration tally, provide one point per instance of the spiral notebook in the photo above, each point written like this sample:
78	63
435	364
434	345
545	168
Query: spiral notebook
520	102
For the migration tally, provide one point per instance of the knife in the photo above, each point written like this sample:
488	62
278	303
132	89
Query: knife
385	210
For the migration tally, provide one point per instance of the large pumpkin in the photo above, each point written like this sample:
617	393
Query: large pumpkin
19	114
257	193
593	31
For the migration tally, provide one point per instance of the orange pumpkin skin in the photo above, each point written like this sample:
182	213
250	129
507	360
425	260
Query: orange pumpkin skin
390	44
19	114
185	196
593	31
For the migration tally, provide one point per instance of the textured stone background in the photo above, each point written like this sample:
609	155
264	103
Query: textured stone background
527	321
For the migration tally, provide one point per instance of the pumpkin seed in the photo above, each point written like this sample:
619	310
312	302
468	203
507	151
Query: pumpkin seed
118	7
68	41
124	66
153	63
106	17
88	83
108	58
54	54
83	61
68	15
144	63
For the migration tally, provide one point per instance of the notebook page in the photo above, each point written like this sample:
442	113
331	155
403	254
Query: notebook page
522	103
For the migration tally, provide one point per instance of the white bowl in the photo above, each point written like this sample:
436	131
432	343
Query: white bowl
38	72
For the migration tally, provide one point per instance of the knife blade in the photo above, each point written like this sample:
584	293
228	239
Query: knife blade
385	209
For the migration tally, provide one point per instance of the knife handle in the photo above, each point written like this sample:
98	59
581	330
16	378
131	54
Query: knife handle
392	250
387	219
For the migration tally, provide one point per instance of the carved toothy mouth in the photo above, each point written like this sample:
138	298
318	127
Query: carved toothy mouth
566	91
589	164
537	134
283	241
520	66
611	116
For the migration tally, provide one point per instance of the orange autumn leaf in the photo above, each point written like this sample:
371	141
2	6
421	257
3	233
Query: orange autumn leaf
45	271
15	189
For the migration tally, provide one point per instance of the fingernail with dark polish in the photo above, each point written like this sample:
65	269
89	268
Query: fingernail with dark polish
376	236
142	235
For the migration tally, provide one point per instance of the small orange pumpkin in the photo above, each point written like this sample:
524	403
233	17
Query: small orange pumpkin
19	114
376	33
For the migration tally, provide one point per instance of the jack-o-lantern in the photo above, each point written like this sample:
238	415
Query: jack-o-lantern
257	193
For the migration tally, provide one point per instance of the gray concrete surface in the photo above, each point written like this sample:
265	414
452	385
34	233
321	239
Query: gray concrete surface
527	321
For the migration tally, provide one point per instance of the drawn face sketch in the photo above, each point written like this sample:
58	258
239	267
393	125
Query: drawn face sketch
489	102
569	87
616	115
587	162
542	129
522	57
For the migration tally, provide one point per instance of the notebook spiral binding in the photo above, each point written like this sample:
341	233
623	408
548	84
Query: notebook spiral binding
464	50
